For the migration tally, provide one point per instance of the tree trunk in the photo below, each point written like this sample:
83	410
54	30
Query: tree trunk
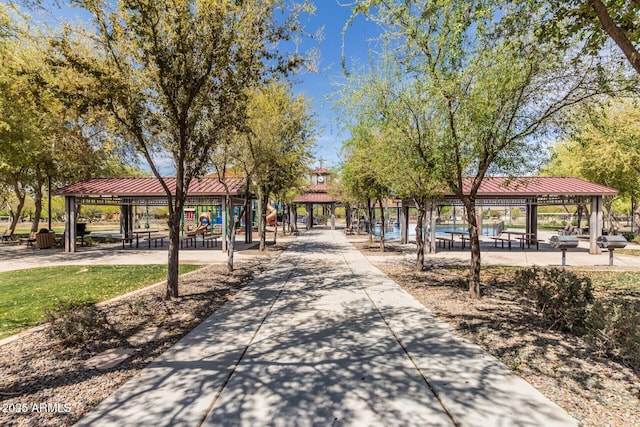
474	242
347	217
370	219
37	199
174	247
286	219
580	209
20	196
382	225
636	219
607	201
420	204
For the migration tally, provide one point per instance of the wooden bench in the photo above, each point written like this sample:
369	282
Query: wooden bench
155	240
29	240
211	240
465	239
444	240
129	240
7	235
502	240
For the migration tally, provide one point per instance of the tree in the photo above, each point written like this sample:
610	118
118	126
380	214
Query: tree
405	163
42	136
24	125
606	133
492	95
276	146
361	179
593	21
174	75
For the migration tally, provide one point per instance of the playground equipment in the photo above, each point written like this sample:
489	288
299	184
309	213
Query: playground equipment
203	224
272	214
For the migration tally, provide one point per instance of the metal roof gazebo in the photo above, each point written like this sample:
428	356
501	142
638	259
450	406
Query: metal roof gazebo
318	192
147	191
530	192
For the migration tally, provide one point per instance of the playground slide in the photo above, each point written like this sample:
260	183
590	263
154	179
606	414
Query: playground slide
271	215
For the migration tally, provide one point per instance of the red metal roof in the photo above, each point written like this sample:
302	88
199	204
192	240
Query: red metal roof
538	186
147	187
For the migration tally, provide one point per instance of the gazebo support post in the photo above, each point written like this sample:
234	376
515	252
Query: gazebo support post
225	226
294	218
70	224
432	228
404	224
532	219
595	225
332	208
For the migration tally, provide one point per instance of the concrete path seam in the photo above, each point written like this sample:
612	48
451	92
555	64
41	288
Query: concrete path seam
397	339
253	337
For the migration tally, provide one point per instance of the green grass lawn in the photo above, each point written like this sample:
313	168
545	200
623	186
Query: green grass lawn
25	295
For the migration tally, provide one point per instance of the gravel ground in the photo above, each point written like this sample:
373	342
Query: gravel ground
595	390
45	384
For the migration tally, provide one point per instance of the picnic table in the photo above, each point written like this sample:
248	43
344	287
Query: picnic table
464	236
522	237
148	233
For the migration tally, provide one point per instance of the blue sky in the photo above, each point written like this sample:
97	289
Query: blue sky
321	85
332	16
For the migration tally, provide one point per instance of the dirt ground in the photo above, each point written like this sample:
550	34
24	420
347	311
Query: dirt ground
595	390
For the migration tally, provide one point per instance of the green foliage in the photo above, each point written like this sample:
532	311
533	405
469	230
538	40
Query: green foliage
629	235
613	328
561	297
78	325
609	131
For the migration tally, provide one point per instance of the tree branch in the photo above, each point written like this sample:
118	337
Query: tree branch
618	36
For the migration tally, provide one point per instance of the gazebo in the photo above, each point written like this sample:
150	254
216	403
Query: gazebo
147	191
529	192
318	192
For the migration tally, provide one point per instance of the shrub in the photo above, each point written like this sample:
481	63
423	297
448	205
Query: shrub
613	328
561	297
78	325
629	235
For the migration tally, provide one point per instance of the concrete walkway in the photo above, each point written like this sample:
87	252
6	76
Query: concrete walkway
324	338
